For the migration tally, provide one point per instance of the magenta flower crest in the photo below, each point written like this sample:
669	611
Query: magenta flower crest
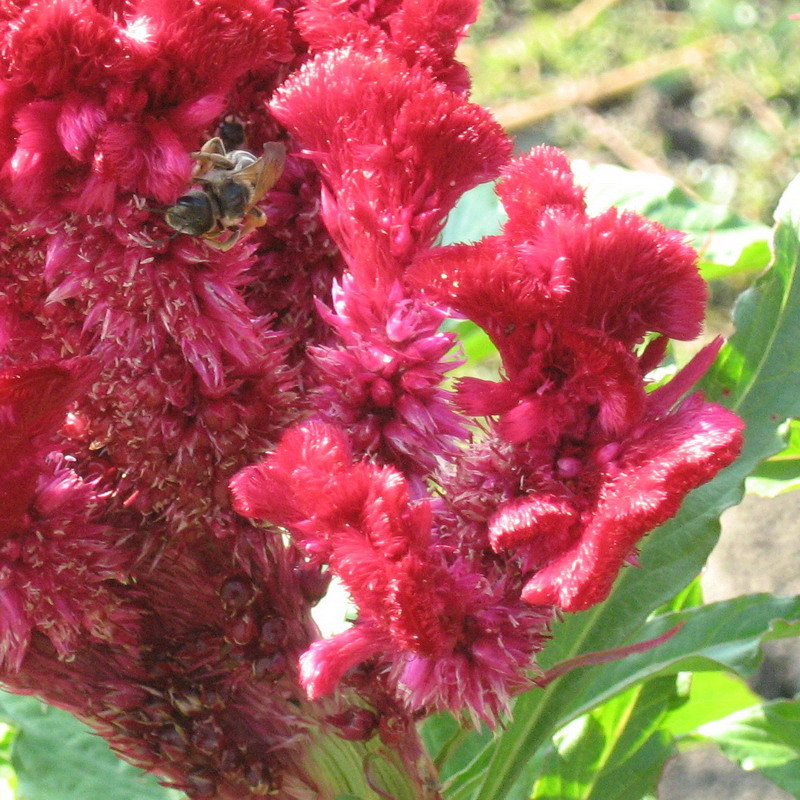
595	461
454	633
196	436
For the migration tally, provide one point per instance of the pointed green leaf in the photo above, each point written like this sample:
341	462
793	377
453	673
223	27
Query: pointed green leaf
639	775
573	761
614	753
712	695
451	745
58	758
773	478
688	597
722	635
781	473
753	255
764	737
725	635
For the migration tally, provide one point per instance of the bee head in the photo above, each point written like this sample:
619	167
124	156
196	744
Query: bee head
192	213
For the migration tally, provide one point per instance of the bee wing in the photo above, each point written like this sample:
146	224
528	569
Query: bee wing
264	174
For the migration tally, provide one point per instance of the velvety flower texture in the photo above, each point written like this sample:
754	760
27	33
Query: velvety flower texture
143	373
594	462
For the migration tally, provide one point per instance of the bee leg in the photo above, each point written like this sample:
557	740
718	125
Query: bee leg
215	159
254	218
212	153
223	245
207	161
213	146
159	242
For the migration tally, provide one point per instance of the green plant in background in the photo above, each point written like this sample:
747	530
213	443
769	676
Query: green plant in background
706	91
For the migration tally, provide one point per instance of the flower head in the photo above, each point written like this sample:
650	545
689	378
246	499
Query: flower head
449	636
362	115
567	298
143	371
103	103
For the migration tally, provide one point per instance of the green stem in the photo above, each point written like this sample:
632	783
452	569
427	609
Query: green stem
369	770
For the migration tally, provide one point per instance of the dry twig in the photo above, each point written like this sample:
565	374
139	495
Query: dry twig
520	114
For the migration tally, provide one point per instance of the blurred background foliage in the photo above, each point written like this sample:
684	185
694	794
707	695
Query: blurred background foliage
705	91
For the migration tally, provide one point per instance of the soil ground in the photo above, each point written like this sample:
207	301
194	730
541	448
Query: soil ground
758	551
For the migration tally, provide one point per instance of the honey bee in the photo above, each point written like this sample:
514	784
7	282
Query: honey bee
223	208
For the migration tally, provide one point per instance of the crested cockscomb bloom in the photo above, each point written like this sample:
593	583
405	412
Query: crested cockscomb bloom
358	116
58	568
383	380
579	463
567	298
423	32
374	116
456	636
145	373
101	102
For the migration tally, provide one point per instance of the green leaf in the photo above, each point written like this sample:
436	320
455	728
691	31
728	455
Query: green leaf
439	732
617	752
688	597
477	214
753	256
640	774
765	738
720	635
728	244
725	635
450	744
712	695
58	758
781	473
757	376
773	478
757	372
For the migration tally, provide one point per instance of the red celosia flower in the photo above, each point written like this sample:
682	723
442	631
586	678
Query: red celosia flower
641	487
424	32
55	556
383	382
618	273
33	402
100	103
453	638
566	297
134	595
360	115
138	599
